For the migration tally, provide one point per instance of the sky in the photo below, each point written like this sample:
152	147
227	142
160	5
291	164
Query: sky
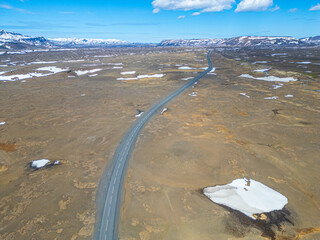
151	21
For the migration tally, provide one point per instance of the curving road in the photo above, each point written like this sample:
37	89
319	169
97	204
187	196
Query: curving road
110	186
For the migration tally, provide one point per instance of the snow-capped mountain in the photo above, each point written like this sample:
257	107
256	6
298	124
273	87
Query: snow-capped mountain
244	41
89	42
11	40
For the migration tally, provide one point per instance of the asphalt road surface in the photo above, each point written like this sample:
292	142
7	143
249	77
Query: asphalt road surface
110	186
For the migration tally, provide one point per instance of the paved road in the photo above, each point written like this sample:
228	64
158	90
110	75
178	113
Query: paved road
110	186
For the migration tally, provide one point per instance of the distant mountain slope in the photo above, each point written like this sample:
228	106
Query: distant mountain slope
244	42
11	40
89	42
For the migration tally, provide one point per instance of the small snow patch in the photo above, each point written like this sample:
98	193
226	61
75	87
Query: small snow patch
186	68
276	86
186	79
269	78
163	111
193	94
128	73
260	62
288	95
52	69
262	70
247	196
39	163
49	62
2	123
126	79
244	94
304	62
269	98
83	72
139	114
159	75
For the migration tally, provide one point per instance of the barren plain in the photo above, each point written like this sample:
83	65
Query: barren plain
224	128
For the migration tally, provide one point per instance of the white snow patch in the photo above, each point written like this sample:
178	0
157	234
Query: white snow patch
139	114
93	75
39	163
193	94
278	54
49	62
288	95
128	73
103	56
2	123
261	62
262	70
72	61
117	67
269	98
244	94
304	62
115	64
269	78
126	79
186	79
185	68
159	75
247	196
163	111
17	77
279	85
83	72
52	69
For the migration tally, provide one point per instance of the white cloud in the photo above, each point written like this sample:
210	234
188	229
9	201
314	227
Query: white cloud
276	8
253	5
196	13
156	10
315	8
5	6
293	10
181	17
186	5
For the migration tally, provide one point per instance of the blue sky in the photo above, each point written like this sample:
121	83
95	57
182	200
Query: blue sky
153	21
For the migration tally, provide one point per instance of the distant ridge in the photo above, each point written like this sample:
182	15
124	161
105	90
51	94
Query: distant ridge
89	42
12	40
244	41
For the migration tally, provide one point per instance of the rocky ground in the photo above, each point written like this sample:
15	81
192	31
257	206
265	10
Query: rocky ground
204	140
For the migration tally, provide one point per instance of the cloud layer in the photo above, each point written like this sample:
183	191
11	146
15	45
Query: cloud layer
212	5
203	5
315	8
253	5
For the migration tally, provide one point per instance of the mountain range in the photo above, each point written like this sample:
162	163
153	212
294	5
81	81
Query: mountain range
11	40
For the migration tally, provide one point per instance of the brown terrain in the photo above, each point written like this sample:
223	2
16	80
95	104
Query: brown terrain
204	140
